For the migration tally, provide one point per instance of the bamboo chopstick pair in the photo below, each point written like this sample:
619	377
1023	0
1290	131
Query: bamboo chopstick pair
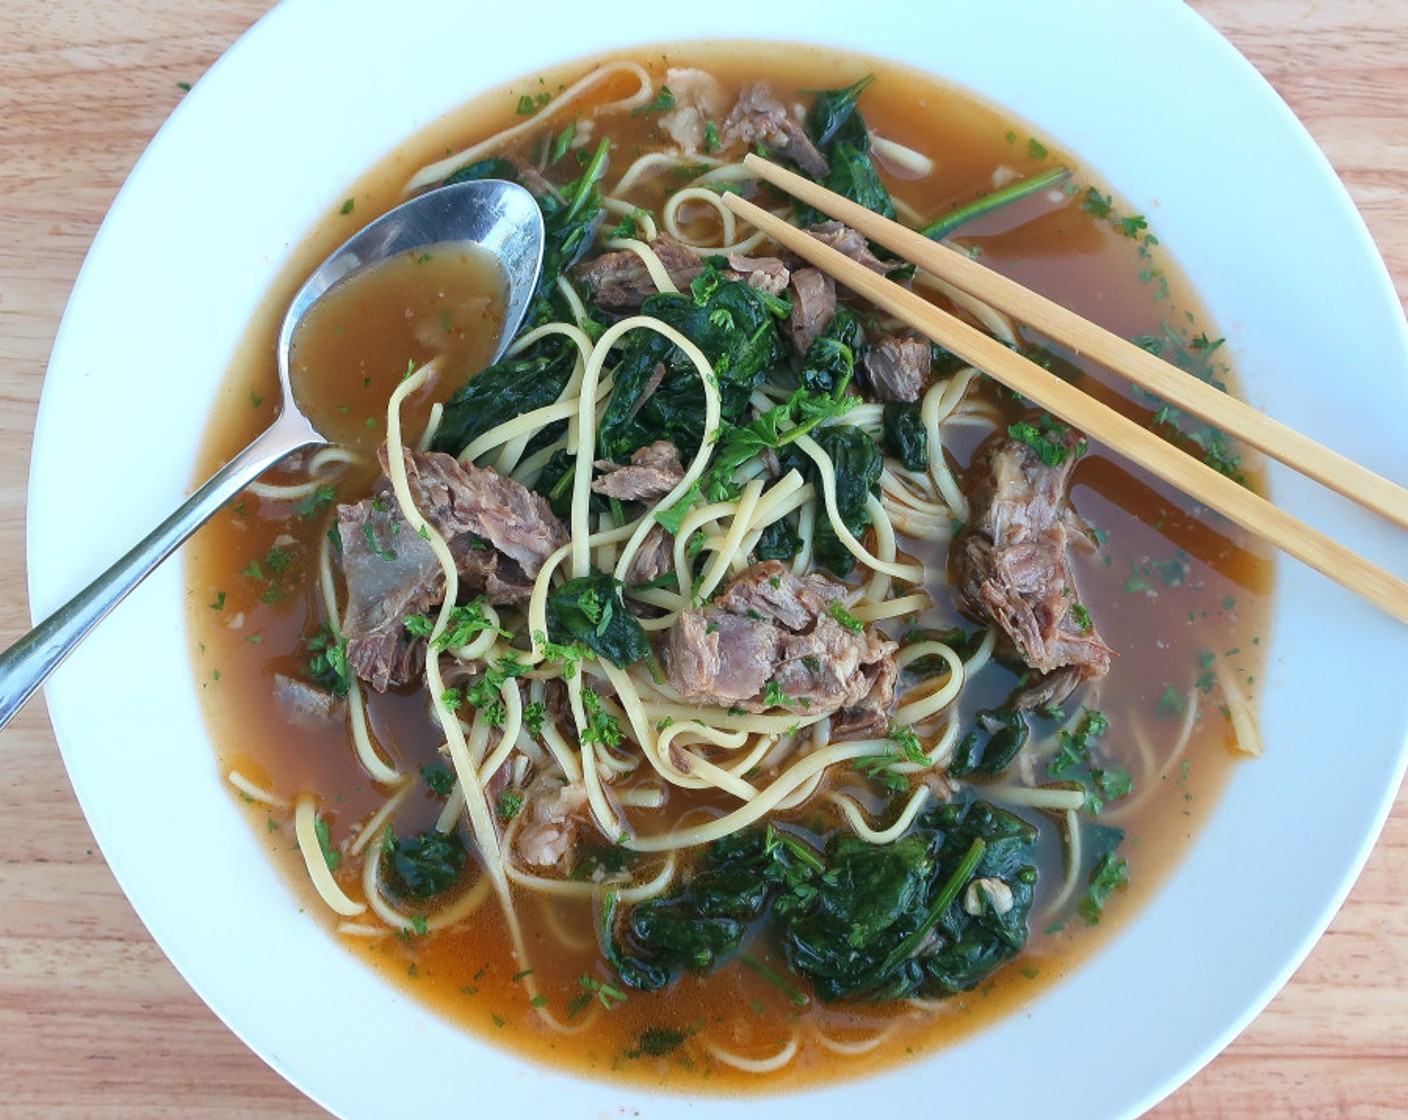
1096	420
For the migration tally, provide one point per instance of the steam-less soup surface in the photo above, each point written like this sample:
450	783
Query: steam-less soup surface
726	688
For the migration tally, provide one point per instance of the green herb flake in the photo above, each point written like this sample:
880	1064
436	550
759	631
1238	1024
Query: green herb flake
663	101
509	806
839	612
1111	873
331	855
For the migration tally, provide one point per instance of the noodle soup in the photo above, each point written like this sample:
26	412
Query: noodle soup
678	760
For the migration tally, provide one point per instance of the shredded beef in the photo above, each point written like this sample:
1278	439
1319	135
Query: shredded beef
896	367
773	627
619	281
498	532
654	557
305	704
653	472
813	296
1012	567
556	812
699	99
767	274
760	118
390	572
849	242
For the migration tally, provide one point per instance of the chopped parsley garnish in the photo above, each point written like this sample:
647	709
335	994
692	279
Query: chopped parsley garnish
439	778
662	101
601	724
330	854
1044	437
322	495
1111	873
609	996
327	661
1170	705
839	612
1076	745
509	806
463	624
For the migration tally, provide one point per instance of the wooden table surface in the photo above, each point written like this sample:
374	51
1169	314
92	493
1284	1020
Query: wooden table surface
93	1020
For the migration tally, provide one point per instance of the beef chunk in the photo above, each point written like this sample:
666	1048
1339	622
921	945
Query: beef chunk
306	705
654	557
1011	563
556	813
896	368
870	717
499	534
767	274
760	118
653	472
771	627
813	296
390	572
849	242
699	99
619	281
457	500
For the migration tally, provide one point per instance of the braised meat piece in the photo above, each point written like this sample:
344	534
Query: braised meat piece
619	281
390	572
767	274
498	532
653	472
771	640
848	242
556	813
654	557
896	368
813	296
1011	560
699	99
760	118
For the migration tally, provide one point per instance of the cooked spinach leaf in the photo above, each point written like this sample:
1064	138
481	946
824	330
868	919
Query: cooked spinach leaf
735	326
503	391
700	923
839	131
425	865
830	361
857	464
779	541
590	610
571	214
906	437
990	746
932	913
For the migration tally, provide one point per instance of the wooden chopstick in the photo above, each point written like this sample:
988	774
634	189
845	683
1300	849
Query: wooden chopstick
1096	420
1166	381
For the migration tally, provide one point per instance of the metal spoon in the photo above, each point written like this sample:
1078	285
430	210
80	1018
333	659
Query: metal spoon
501	218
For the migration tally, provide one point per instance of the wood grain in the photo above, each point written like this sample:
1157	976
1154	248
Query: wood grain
95	1023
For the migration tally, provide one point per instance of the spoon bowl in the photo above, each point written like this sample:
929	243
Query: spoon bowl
496	217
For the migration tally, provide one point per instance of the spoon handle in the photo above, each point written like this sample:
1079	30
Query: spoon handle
27	663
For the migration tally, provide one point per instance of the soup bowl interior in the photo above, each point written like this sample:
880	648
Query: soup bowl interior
246	167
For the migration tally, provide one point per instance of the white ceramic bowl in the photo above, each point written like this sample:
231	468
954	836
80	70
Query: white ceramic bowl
306	102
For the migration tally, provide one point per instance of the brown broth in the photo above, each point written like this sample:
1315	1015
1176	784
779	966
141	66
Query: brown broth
1169	590
442	302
